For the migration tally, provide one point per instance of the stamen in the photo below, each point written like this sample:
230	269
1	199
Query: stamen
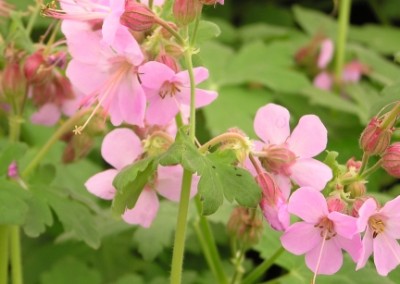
319	257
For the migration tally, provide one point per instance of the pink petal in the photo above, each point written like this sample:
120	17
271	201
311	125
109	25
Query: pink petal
126	45
323	81
77	73
121	147
366	249
200	74
386	253
331	258
308	204
203	97
326	53
145	210
284	185
48	115
352	246
300	238
271	124
162	111
353	71
311	172
111	22
365	212
392	211
276	214
153	74
309	138
101	184
345	225
169	182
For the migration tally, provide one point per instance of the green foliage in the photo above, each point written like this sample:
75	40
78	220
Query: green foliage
218	175
13	205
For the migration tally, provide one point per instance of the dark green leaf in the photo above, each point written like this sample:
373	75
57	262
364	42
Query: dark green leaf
13	203
9	153
130	183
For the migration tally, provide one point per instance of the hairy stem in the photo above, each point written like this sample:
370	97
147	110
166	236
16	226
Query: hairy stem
344	17
16	262
4	241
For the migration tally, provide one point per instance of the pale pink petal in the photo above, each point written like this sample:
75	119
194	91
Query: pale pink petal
121	147
309	138
352	246
203	97
125	44
392	211
345	225
169	182
366	210
101	184
311	172
386	253
200	74
276	214
271	124
77	72
153	74
48	115
353	71
145	210
330	261
111	22
366	249
162	111
70	107
284	185
132	101
323	81
308	204
301	237
155	2
325	54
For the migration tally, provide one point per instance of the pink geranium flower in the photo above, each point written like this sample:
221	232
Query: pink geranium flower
325	53
289	156
168	92
382	229
113	81
122	147
321	235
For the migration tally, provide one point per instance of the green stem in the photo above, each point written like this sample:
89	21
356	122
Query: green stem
364	162
238	262
151	4
15	127
33	18
166	26
210	249
192	122
180	233
222	138
195	29
262	268
16	263
4	238
344	17
66	127
372	169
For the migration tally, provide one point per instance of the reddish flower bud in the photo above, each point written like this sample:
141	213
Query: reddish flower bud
165	33
169	61
137	17
35	68
12	79
358	203
13	171
245	225
335	203
391	160
375	139
185	11
353	164
278	159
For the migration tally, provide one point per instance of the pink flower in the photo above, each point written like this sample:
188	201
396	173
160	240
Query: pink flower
325	53
321	235
167	91
382	231
353	71
113	81
121	147
323	81
289	156
108	12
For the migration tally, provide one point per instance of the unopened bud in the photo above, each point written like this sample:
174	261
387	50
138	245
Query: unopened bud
358	203
186	11
165	33
12	82
239	143
157	143
13	172
35	69
357	189
77	148
335	203
375	139
278	159
169	61
245	225
354	165
212	2
137	17
391	160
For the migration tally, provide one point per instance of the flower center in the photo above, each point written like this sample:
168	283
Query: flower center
377	224
168	89
278	159
327	228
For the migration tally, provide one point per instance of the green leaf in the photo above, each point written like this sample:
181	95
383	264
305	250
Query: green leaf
62	271
206	31
130	279
130	183
389	95
75	217
330	160
218	176
13	205
263	31
10	152
152	241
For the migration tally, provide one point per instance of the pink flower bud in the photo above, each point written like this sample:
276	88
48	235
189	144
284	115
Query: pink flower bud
12	79
13	172
165	33
353	164
185	11
374	139
357	189
278	159
169	61
358	203
212	2
35	68
245	225
335	203
137	17
391	160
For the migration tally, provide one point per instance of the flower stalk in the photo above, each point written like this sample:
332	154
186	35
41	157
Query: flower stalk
344	17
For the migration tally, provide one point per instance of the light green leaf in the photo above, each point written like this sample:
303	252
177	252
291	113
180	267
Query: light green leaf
389	95
13	203
130	183
263	31
206	31
9	153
